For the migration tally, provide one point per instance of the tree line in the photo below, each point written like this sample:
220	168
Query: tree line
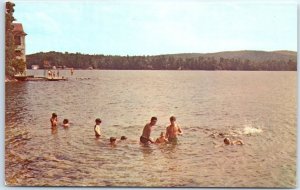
159	62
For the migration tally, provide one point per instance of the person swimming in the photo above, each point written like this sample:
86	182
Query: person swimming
227	141
65	123
161	139
123	138
113	141
173	130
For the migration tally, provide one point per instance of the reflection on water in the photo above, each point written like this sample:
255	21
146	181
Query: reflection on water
258	107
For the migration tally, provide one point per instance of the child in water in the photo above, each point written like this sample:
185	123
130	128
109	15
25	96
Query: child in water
113	141
53	120
97	127
161	139
65	123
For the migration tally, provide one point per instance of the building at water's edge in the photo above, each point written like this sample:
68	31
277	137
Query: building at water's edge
19	38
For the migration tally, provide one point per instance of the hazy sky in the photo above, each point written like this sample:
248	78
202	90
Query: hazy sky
152	27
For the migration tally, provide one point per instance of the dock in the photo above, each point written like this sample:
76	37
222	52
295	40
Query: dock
32	78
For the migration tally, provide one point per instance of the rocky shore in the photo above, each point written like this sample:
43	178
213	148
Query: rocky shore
10	79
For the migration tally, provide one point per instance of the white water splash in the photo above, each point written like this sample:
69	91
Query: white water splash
249	129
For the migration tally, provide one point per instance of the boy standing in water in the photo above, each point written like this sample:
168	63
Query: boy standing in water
53	120
173	130
97	128
145	138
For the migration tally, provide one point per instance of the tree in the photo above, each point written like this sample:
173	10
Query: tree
19	66
9	40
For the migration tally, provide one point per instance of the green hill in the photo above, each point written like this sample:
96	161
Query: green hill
229	60
256	56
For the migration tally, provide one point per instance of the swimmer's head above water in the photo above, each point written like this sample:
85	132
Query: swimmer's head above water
98	121
227	141
153	120
65	121
172	119
54	115
112	139
123	138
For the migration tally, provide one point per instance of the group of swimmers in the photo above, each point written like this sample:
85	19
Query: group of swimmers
54	121
172	131
97	130
170	136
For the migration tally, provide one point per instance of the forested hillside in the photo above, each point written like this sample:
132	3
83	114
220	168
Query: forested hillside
236	60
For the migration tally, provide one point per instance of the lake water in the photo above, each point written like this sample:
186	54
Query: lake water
257	107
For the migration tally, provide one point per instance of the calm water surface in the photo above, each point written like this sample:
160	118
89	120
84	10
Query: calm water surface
258	107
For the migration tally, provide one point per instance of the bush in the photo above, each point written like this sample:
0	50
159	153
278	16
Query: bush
19	66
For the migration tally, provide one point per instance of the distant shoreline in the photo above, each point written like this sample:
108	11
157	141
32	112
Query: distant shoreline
236	60
291	52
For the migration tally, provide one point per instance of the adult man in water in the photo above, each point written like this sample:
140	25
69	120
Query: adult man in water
145	138
173	130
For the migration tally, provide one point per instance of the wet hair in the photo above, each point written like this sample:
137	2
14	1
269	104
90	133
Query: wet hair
65	121
98	120
162	134
123	138
112	139
227	140
172	118
153	118
54	115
